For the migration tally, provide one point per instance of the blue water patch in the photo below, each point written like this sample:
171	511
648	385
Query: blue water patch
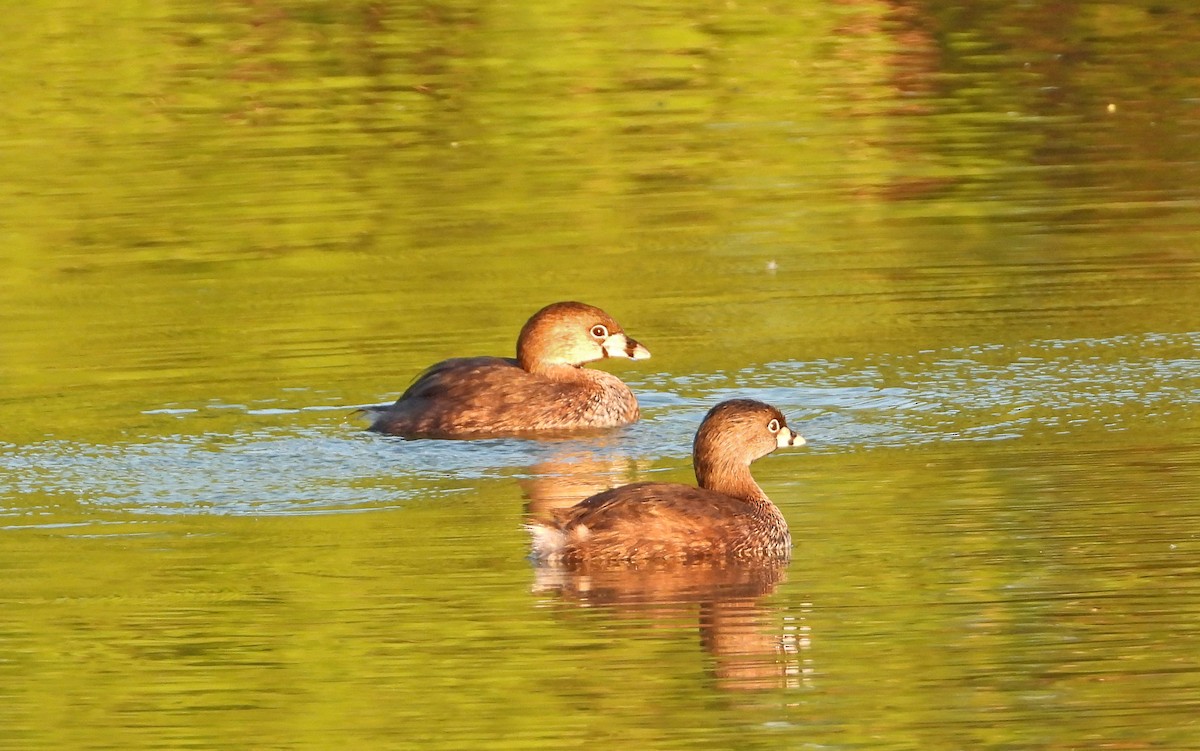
978	393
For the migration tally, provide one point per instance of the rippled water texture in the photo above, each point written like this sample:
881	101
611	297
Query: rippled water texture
981	393
955	243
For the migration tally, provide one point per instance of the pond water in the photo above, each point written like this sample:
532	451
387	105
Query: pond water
958	245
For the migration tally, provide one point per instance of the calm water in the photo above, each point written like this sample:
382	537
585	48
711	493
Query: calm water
959	245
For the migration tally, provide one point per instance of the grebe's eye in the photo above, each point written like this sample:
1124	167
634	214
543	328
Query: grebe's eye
773	425
600	332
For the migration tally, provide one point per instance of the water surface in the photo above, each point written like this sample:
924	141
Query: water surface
956	245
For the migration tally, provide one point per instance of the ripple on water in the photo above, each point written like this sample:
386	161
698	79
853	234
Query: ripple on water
978	393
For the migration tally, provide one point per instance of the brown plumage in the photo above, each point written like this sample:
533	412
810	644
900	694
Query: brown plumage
728	517
545	388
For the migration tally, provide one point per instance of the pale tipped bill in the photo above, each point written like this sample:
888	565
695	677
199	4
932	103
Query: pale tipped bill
788	437
619	345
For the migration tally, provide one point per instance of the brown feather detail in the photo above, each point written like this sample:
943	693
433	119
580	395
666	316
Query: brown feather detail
546	389
729	517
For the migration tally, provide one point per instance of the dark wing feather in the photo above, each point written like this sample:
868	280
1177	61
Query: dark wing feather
459	375
647	520
475	396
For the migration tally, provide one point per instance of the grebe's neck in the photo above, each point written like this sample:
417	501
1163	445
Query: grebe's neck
731	478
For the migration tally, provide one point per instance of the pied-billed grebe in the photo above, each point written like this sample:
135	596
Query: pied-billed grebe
727	517
545	388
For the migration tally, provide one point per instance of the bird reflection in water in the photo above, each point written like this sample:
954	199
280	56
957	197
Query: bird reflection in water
567	477
753	644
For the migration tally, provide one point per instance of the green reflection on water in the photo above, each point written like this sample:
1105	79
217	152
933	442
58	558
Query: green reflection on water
302	204
982	598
